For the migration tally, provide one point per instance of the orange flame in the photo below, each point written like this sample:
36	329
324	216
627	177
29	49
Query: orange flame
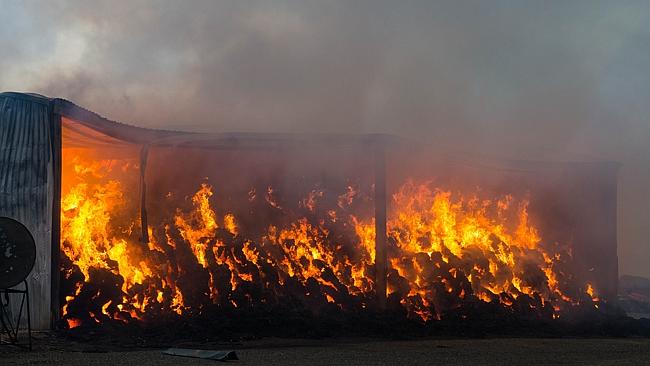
445	248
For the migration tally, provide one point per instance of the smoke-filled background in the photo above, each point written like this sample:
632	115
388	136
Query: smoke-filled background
540	80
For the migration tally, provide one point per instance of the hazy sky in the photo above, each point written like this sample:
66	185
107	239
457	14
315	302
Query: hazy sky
524	79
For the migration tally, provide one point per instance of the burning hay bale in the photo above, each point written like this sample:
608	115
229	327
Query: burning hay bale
449	256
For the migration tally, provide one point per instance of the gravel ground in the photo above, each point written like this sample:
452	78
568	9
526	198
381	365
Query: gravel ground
502	352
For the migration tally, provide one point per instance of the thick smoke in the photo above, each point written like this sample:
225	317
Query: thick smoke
535	80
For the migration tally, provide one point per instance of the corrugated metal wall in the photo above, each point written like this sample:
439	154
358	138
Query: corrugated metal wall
26	186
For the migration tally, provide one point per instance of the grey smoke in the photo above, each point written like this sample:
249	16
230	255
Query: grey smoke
516	79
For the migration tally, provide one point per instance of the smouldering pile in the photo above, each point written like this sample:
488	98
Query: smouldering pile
444	251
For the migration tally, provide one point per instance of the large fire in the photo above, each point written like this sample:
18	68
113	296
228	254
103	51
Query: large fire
445	251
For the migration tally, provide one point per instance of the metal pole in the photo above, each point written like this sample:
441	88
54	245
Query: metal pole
55	245
143	193
380	226
29	317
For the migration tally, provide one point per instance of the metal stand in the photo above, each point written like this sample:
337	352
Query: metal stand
9	327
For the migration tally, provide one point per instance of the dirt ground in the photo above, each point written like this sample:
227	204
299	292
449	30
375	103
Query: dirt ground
497	351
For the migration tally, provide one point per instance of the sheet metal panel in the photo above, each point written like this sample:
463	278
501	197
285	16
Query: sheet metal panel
26	189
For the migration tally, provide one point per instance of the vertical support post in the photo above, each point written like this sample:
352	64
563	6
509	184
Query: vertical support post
55	247
29	317
144	153
380	226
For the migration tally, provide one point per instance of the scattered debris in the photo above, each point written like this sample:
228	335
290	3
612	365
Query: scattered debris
204	354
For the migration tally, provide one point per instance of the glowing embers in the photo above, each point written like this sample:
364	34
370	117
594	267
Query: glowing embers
446	254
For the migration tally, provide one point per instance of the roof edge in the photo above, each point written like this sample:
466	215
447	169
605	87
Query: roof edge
228	140
122	131
32	97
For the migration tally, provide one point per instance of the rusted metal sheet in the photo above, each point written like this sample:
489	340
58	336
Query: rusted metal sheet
26	189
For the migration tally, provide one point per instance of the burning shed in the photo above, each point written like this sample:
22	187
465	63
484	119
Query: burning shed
134	224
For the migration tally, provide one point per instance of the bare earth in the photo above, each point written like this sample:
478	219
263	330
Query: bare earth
502	352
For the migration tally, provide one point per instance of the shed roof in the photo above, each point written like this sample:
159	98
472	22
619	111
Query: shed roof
160	137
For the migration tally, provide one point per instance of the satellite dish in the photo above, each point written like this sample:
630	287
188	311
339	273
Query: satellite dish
17	252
